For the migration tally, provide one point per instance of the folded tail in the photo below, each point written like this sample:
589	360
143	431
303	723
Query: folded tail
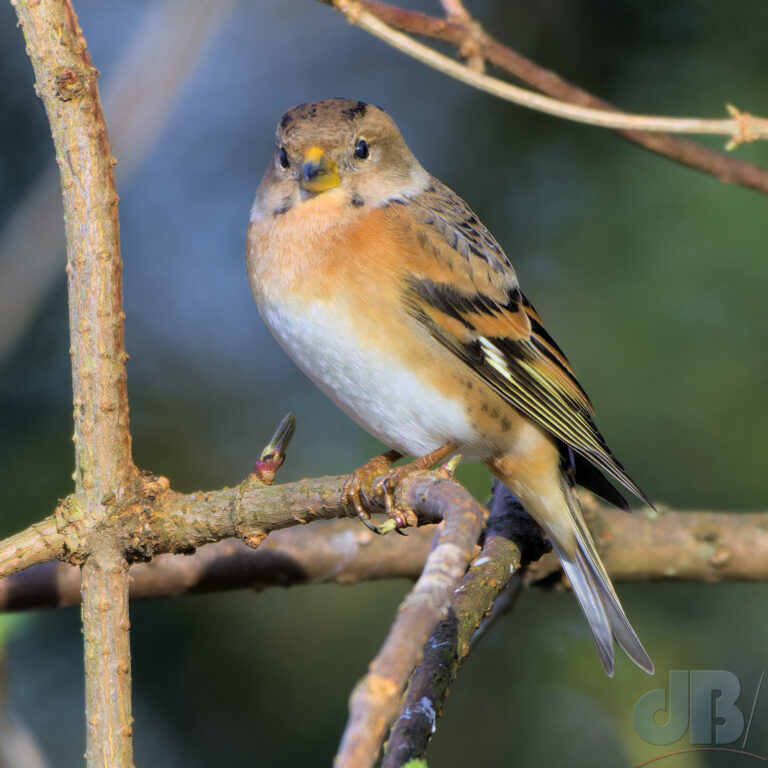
551	501
595	593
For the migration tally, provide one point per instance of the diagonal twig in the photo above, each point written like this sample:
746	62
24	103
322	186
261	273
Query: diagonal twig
459	33
492	573
375	699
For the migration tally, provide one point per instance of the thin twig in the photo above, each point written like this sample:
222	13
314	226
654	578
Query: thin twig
471	48
455	9
727	169
487	578
37	544
374	701
741	127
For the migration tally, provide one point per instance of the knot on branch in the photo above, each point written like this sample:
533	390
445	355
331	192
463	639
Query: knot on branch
136	517
241	521
472	46
69	83
748	128
128	523
74	525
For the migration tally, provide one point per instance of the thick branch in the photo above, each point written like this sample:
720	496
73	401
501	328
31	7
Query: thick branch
339	552
685	546
374	701
465	34
66	83
107	660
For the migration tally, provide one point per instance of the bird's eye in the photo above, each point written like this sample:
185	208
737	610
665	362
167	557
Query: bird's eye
361	149
282	156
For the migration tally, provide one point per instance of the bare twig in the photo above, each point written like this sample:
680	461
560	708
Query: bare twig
455	9
488	577
727	169
471	48
374	701
741	127
37	544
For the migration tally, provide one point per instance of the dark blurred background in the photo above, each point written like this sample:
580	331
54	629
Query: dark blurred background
651	276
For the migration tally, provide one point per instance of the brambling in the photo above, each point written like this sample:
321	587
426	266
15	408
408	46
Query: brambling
388	292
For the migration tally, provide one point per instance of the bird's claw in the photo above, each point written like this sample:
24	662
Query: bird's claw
377	479
360	485
374	483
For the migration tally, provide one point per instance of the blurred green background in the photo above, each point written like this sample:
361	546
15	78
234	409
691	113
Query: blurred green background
652	277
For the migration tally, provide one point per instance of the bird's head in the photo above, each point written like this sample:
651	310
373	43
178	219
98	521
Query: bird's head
348	149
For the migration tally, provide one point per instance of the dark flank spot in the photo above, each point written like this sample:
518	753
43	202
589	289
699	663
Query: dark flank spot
495	413
284	208
359	109
422	240
285	121
484	407
506	424
358	201
313	110
431	188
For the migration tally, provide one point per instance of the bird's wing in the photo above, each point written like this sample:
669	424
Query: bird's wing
480	314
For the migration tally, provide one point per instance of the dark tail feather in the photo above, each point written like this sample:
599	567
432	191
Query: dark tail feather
588	593
596	595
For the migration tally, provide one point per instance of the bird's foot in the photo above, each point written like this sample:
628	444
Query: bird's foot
377	479
360	484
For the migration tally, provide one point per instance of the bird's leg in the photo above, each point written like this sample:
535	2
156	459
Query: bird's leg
385	484
361	482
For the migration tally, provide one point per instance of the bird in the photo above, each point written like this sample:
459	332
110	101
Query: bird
388	292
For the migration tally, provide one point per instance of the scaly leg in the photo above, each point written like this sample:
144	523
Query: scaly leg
379	475
363	478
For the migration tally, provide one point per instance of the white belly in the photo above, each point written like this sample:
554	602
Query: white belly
391	402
